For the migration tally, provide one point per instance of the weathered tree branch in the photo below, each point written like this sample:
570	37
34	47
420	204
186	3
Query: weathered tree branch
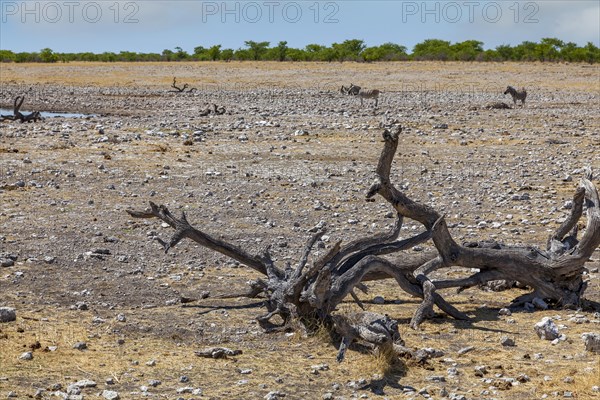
180	89
184	230
554	275
17	115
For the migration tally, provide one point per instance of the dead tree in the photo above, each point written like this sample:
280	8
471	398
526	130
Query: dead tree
307	294
180	89
17	115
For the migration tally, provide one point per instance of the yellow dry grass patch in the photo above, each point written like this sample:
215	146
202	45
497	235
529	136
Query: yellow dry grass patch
143	357
390	76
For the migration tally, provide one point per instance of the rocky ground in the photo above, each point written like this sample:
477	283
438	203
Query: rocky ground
98	302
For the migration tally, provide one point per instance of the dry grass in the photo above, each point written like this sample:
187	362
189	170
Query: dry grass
394	76
127	363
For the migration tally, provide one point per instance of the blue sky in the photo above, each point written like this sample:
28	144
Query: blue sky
151	26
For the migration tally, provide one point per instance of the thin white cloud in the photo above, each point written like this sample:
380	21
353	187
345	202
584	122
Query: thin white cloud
581	24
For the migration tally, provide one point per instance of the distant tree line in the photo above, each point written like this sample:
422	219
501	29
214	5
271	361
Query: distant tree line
547	50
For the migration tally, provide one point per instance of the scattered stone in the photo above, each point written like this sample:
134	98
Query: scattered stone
274	395
504	311
85	383
7	260
591	341
7	314
436	378
378	300
319	367
26	356
559	339
80	346
465	350
110	395
546	329
217	352
507	342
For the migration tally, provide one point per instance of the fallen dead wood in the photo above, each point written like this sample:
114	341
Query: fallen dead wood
17	115
181	89
307	294
214	109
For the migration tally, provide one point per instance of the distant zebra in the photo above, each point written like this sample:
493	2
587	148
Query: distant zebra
363	93
516	95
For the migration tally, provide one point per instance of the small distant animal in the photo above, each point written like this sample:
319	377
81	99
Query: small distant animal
354	90
516	95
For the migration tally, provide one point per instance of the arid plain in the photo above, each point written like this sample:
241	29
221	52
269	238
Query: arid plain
289	152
